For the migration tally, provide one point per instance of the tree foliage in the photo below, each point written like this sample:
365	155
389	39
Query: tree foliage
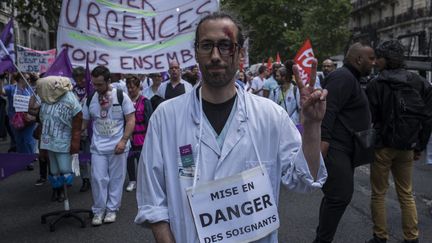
283	25
273	26
30	13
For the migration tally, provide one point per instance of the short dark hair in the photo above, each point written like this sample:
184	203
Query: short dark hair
221	15
78	72
393	52
101	70
262	69
133	79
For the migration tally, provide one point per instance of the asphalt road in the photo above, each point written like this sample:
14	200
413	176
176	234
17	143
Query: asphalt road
22	203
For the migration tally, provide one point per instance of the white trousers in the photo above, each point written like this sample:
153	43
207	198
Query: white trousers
108	172
428	158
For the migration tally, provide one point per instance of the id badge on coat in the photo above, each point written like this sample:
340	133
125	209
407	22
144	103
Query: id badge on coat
238	208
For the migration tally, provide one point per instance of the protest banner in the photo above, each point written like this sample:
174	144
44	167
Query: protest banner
29	60
304	59
131	36
239	208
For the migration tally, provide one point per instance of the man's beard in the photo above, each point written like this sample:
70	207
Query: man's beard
215	79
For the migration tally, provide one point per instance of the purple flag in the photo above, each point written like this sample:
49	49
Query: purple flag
6	65
89	85
7	50
61	66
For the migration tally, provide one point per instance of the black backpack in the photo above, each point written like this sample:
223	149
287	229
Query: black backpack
406	114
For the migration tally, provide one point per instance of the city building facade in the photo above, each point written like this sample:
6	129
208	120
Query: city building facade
410	21
27	37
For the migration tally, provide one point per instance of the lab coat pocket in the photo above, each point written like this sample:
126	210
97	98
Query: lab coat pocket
269	165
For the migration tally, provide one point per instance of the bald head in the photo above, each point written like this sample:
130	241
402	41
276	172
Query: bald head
328	66
361	57
174	71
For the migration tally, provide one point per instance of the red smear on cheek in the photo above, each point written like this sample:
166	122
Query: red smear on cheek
229	33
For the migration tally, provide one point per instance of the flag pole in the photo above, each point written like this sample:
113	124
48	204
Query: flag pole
7	53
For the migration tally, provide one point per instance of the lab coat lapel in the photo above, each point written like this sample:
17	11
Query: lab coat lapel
236	129
207	137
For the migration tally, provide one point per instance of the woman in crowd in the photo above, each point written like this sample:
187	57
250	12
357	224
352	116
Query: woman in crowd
16	93
143	111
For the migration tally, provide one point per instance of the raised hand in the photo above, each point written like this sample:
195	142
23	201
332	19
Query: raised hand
312	101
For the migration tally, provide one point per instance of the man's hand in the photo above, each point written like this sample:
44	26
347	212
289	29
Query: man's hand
312	100
120	147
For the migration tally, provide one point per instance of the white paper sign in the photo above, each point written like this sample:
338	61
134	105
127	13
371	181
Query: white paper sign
21	103
131	36
30	60
239	208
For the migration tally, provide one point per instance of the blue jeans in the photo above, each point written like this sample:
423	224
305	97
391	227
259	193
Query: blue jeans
60	163
25	143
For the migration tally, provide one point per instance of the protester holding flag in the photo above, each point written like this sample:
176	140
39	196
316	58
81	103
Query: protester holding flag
22	123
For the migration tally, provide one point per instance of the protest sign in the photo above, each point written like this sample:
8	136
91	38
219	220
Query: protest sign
131	36
30	60
239	208
304	59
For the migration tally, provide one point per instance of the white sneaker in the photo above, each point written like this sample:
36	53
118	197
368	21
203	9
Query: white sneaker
110	217
97	220
131	186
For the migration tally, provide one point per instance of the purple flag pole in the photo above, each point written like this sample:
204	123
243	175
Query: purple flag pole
89	85
32	91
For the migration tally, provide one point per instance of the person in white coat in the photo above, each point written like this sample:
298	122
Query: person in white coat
175	86
198	140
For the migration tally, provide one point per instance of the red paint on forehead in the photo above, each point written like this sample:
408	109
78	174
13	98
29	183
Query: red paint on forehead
229	33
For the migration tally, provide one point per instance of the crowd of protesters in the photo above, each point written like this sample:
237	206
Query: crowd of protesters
116	116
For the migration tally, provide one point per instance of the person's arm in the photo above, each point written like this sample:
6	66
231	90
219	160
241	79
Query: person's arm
76	133
130	124
162	232
313	103
2	90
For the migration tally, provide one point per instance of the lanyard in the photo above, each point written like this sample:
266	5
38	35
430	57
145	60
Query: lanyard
198	146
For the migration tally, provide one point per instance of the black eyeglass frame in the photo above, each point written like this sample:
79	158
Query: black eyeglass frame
224	52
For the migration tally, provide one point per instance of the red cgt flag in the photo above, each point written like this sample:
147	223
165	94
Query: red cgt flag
304	59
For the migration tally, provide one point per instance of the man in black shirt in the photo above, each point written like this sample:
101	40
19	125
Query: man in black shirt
347	105
176	85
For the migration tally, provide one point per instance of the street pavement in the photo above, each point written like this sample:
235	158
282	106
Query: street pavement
22	203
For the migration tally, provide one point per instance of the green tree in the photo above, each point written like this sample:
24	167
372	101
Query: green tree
283	25
30	13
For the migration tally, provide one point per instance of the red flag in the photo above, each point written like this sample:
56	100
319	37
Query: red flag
304	59
269	63
278	61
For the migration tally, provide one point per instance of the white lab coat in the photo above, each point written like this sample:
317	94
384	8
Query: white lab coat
161	190
162	88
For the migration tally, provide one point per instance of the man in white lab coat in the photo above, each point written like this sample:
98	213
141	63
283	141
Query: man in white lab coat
216	134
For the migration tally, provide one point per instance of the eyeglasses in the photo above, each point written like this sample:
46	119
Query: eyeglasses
225	47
